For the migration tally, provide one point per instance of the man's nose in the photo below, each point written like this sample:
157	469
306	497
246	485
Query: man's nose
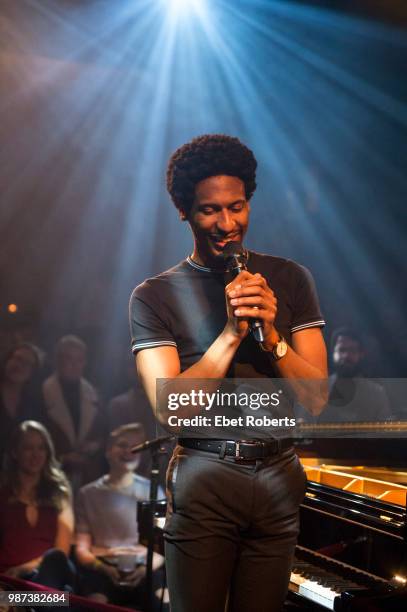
225	221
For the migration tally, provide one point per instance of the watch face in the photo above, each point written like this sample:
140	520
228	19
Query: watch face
281	349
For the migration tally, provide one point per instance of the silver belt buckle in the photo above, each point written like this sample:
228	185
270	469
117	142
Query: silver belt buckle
238	443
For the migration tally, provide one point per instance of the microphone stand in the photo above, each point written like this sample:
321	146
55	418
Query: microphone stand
157	451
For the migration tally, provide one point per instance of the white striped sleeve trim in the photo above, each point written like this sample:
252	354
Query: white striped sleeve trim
138	346
319	323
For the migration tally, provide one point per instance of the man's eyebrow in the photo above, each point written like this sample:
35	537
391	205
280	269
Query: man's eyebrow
216	204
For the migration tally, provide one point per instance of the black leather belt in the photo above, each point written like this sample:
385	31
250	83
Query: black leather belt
239	449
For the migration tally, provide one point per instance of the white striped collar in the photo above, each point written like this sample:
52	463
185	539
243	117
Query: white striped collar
204	269
198	266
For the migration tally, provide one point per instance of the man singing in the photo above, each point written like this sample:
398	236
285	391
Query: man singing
232	519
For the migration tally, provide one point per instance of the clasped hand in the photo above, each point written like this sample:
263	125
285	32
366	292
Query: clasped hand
249	296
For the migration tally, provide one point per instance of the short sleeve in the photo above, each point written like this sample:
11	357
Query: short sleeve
81	519
307	312
146	323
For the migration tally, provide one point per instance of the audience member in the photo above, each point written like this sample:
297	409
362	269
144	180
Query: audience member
73	414
36	519
20	397
352	397
107	537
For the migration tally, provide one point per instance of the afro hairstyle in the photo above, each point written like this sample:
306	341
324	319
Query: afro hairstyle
205	156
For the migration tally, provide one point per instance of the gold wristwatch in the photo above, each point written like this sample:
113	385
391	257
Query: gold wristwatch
279	349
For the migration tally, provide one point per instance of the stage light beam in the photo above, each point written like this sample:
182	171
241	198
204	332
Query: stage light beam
183	9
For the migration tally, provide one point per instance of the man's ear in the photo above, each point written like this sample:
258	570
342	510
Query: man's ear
182	214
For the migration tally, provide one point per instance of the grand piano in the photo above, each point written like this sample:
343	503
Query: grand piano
352	548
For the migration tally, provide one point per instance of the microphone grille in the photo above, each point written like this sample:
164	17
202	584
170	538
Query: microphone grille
233	249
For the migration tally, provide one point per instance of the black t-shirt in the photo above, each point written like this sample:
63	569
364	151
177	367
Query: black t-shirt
185	307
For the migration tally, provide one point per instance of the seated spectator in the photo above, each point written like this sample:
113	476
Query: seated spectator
106	524
36	518
73	414
20	397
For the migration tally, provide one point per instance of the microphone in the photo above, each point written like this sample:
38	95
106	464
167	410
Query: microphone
151	444
235	258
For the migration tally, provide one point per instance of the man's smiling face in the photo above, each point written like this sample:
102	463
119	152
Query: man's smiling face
219	214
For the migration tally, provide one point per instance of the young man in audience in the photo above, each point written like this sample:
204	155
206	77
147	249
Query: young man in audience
73	414
111	559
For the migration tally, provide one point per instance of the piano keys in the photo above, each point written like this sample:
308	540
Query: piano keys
332	584
353	534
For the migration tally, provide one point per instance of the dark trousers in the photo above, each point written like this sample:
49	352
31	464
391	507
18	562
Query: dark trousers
55	571
231	531
92	581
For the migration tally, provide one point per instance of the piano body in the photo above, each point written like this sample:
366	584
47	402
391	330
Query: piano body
352	548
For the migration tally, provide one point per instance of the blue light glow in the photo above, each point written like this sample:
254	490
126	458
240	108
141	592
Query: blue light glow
97	94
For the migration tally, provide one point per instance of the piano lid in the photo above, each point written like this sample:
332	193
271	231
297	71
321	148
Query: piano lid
376	504
378	445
